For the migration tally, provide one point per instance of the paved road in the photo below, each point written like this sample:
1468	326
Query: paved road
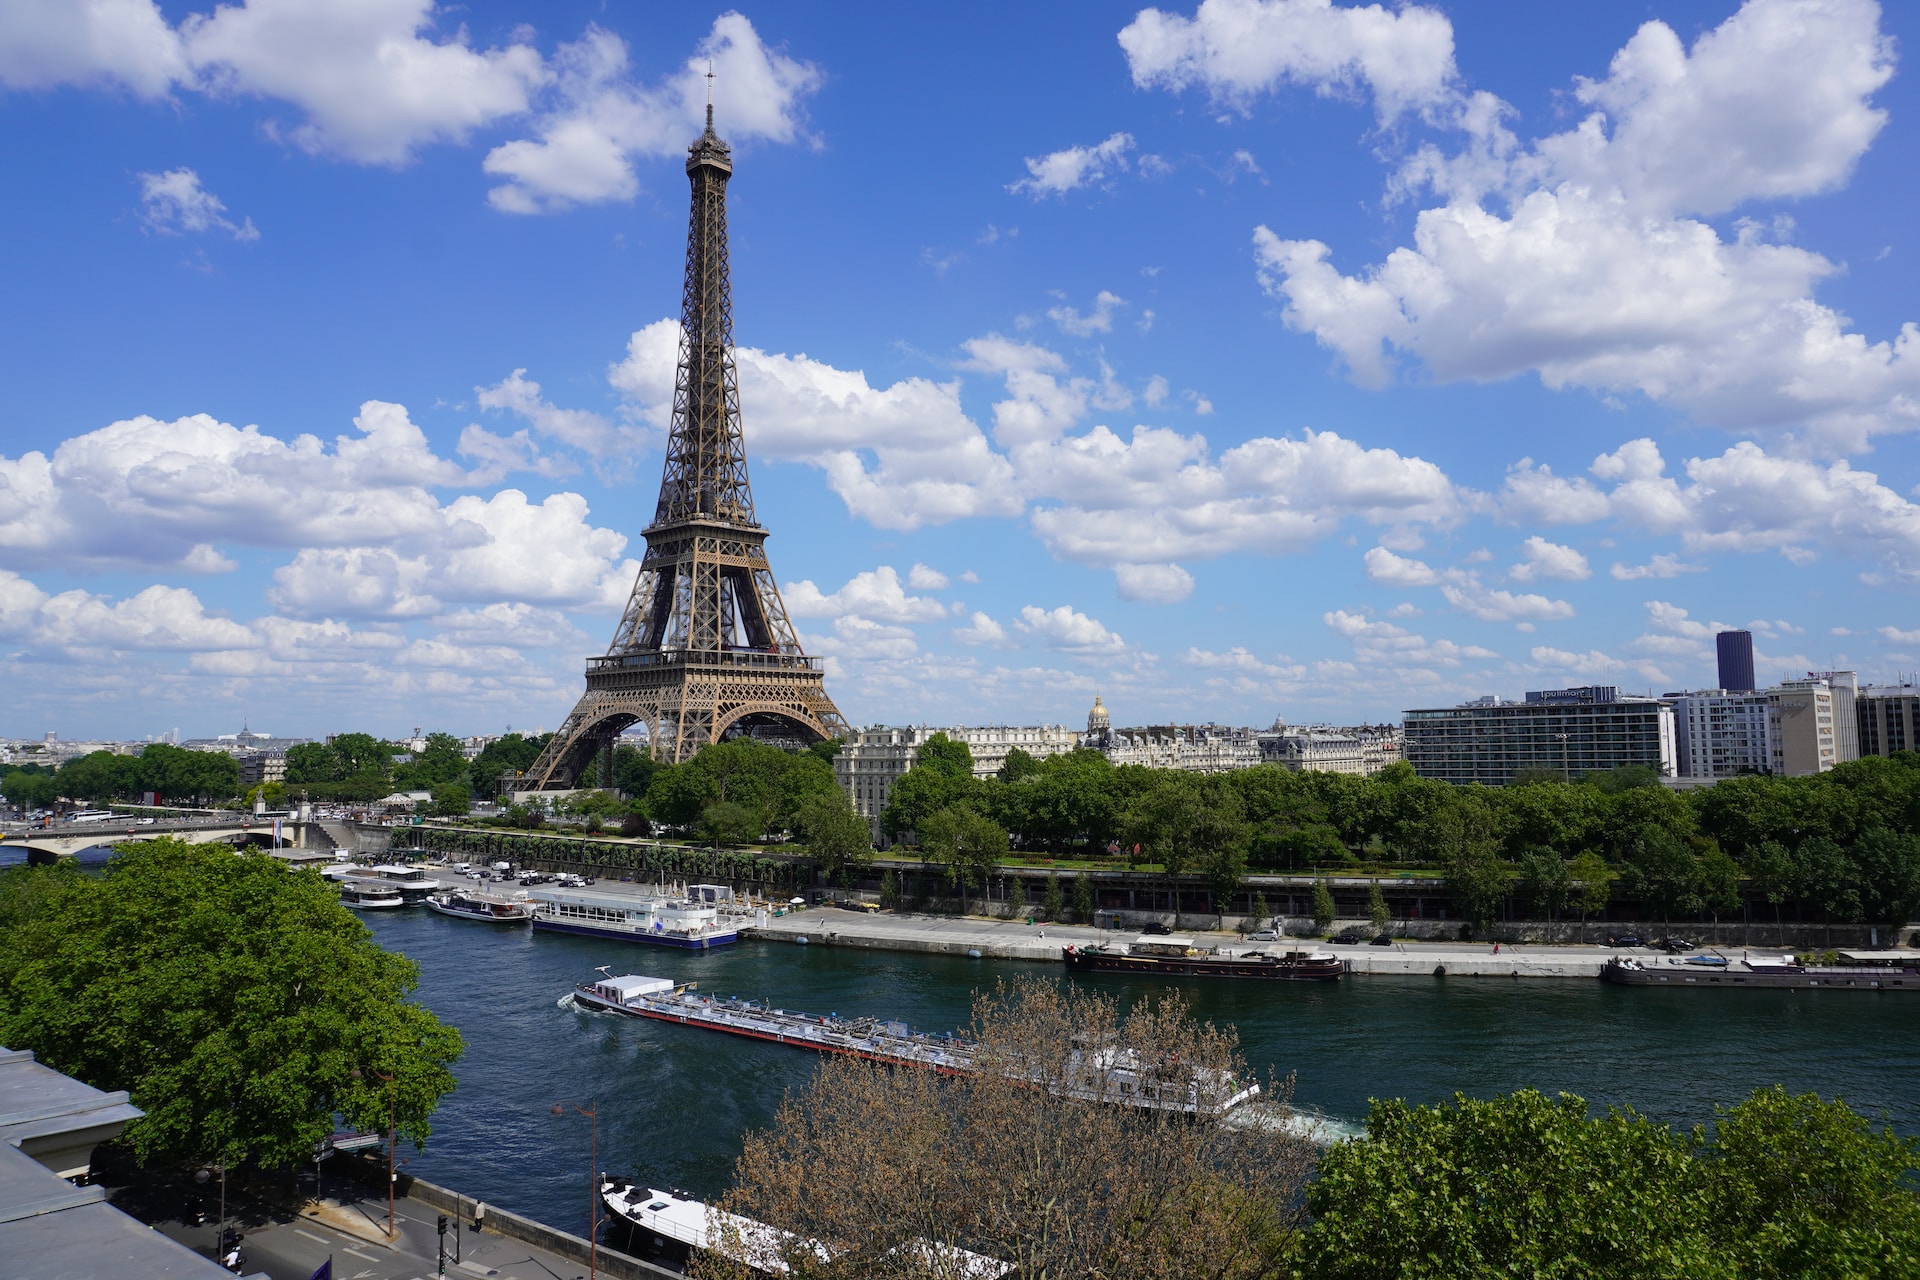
287	1248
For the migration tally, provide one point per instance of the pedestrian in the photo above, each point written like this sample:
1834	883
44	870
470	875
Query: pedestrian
1496	948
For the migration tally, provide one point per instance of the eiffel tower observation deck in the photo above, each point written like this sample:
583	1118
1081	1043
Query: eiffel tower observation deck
704	650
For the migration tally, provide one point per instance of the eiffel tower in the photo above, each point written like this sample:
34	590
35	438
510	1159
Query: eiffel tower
704	649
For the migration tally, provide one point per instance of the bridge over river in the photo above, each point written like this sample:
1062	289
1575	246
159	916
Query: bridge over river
63	840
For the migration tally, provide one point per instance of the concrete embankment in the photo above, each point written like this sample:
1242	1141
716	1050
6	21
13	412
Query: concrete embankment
1014	940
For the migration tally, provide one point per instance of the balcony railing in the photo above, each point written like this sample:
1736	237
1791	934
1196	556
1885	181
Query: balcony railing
734	658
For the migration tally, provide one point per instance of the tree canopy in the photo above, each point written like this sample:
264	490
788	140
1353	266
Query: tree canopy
233	1000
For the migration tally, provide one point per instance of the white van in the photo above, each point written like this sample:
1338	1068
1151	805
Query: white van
463	867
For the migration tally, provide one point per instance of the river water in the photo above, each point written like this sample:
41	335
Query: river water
673	1102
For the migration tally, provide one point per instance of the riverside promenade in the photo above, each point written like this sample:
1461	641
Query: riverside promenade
1017	940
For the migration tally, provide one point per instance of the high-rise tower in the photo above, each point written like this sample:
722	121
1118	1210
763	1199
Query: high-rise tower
1735	651
704	648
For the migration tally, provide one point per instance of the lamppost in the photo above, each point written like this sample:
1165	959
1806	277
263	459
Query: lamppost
388	1081
1565	774
593	1184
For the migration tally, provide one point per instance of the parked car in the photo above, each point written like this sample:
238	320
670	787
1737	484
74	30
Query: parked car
1348	938
1625	940
1383	940
1265	935
1154	926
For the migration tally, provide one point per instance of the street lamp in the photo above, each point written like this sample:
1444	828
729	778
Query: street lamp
388	1081
593	1184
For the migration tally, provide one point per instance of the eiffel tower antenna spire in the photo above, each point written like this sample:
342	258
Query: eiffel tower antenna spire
704	649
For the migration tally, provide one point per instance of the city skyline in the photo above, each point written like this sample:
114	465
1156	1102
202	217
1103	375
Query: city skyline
1257	358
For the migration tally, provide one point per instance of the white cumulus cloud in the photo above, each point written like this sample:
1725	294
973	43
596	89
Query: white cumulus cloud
1595	275
1545	559
1237	49
1059	172
1068	630
175	203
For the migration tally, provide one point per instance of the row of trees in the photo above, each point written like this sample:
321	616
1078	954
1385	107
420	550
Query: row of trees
176	774
873	1171
1844	844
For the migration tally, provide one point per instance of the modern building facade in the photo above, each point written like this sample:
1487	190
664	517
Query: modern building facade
1800	720
1574	731
1887	718
1721	733
1735	651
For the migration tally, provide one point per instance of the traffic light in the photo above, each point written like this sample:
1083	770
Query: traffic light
443	1224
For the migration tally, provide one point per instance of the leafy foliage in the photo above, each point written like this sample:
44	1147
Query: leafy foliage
233	1000
1788	1186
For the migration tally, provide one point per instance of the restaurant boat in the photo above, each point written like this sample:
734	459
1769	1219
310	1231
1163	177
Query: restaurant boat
1857	971
1107	1073
492	908
625	917
370	895
1175	957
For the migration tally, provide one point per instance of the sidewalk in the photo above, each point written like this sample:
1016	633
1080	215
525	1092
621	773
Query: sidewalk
1018	940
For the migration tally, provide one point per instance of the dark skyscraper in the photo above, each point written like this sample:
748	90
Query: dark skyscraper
1736	660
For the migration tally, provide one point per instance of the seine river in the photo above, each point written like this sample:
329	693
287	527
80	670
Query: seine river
673	1102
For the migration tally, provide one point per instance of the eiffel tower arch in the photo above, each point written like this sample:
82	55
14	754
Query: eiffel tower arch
704	649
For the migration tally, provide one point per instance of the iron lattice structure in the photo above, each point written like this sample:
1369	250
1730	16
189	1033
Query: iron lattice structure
704	648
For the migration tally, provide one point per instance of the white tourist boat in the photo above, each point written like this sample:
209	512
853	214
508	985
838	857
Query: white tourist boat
492	908
370	895
685	922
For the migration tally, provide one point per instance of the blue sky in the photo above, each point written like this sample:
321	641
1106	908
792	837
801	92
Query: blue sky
1265	358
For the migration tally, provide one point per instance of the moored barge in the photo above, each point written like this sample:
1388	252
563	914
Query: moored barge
1109	1073
1182	958
491	908
1859	971
691	922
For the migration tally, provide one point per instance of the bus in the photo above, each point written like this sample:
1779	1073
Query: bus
93	815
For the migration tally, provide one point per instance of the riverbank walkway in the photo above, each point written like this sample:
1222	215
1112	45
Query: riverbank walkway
1018	940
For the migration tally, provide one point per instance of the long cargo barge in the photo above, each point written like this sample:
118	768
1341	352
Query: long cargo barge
1109	1074
1867	971
1181	958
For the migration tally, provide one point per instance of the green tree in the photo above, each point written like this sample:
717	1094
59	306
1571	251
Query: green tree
633	770
1083	903
98	775
1018	766
1323	912
1521	1185
1592	884
948	757
1377	913
452	800
1052	901
836	838
1803	1187
826	750
1545	884
1661	871
441	761
1466	851
234	1001
729	822
923	791
1771	870
29	790
1887	870
1716	881
889	891
1261	912
970	844
509	753
1017	897
312	762
1826	879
